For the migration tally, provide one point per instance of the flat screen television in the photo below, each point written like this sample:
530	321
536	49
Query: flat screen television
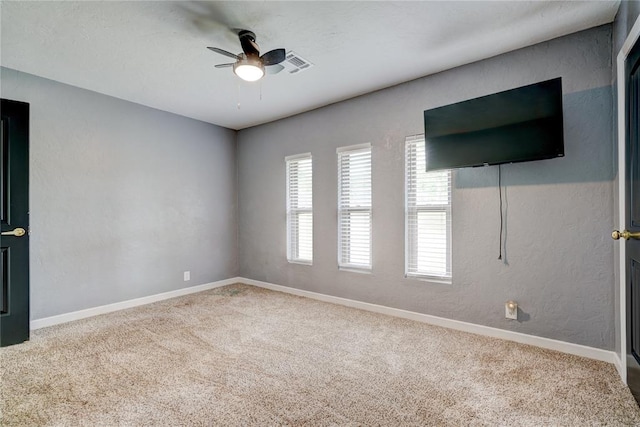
516	125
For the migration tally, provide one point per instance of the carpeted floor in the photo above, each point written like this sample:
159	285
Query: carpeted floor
241	355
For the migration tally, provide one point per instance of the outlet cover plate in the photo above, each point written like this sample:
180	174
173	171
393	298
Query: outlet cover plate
511	314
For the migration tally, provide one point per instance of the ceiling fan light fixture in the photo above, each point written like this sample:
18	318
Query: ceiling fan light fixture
249	70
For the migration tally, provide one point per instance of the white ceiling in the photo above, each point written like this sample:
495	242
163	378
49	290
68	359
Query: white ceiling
154	53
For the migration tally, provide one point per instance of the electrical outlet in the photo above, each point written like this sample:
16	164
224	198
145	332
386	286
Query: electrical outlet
187	276
511	310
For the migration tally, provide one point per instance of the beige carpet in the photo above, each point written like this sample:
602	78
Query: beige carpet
241	355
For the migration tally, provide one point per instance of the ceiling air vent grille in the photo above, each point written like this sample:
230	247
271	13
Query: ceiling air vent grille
293	63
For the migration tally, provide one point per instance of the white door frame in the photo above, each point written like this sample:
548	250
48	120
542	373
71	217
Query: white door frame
633	36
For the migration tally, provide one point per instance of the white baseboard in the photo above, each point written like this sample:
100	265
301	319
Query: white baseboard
562	346
617	362
565	347
103	309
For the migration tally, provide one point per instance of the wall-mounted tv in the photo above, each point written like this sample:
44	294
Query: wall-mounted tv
516	125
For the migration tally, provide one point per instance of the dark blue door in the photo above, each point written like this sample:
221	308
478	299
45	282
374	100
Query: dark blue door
14	221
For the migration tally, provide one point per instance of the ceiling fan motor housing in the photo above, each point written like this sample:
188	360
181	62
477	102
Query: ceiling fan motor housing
246	33
248	42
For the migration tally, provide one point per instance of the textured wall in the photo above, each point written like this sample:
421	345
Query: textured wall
123	198
559	257
627	14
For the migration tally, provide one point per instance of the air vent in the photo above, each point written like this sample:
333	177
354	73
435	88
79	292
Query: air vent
293	63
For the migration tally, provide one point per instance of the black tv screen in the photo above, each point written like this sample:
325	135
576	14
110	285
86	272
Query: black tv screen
516	125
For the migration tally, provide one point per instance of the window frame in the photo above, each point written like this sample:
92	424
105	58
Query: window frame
342	265
411	241
290	211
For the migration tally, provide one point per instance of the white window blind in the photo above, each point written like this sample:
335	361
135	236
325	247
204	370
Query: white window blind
428	216
299	209
354	207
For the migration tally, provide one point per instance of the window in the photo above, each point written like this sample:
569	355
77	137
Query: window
299	209
354	207
428	216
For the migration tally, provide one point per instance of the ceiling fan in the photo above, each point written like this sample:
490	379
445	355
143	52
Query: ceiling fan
249	65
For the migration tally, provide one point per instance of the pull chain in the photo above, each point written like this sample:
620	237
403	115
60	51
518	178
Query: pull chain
238	94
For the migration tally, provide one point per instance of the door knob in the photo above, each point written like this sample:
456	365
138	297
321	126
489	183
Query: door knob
626	235
18	232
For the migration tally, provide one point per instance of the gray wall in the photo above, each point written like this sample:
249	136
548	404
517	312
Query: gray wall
559	213
627	14
123	198
625	18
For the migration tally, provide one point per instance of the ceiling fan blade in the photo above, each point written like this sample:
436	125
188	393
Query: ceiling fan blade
273	57
273	69
224	52
224	65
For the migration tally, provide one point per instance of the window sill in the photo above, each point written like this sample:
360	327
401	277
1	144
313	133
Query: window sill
432	279
299	262
355	269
